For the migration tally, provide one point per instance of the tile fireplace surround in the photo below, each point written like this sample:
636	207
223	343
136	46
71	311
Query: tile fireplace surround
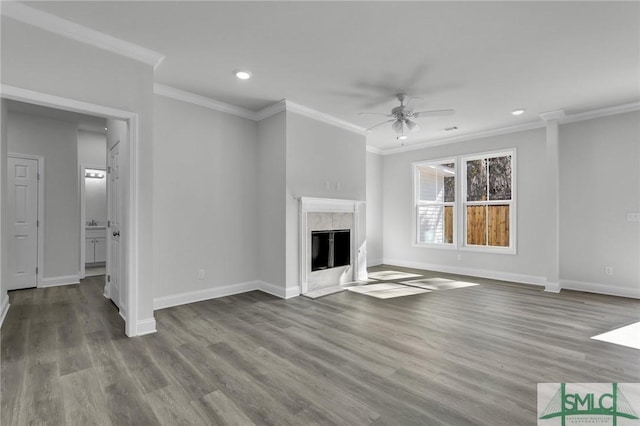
325	214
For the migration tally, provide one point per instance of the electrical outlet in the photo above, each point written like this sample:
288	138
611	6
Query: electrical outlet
201	274
608	270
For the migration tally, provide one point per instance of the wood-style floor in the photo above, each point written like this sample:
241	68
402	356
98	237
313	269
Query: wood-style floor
453	357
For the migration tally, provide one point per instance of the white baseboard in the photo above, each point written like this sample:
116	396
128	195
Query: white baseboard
278	291
146	326
374	262
552	287
600	288
473	272
4	308
206	294
56	281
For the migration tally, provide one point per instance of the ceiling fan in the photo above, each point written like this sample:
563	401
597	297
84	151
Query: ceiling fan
403	116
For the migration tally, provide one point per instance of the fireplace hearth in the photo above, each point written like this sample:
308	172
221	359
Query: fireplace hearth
330	249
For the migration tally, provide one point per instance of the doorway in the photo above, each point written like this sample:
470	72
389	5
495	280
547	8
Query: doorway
128	178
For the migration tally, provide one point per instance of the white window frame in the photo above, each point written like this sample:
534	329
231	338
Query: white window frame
417	203
462	202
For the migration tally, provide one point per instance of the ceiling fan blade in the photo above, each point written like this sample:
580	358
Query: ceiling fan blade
379	124
397	126
412	126
434	113
375	113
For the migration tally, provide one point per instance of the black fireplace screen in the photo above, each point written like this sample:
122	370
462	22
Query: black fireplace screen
330	249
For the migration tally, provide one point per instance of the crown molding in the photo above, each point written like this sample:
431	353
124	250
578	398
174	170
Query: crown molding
203	101
545	116
466	137
271	110
557	115
374	150
326	118
53	24
603	112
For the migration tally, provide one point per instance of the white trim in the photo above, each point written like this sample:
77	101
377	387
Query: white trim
223	291
192	98
325	118
271	110
556	115
513	203
603	112
44	99
466	137
472	272
61	280
54	24
40	228
600	288
571	118
146	326
4	309
206	294
278	291
552	287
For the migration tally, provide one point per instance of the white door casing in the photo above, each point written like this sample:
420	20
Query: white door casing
22	200
114	220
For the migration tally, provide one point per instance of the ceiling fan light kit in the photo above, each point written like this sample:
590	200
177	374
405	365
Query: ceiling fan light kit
402	116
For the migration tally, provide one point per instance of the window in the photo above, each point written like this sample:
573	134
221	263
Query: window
488	201
435	191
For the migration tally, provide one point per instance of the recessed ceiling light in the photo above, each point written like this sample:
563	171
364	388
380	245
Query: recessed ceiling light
401	137
518	111
448	129
242	74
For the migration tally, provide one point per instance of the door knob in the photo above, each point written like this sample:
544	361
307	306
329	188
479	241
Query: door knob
116	233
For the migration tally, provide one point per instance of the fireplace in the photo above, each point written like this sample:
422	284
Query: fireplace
330	249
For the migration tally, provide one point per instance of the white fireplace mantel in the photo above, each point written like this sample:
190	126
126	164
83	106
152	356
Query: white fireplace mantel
326	205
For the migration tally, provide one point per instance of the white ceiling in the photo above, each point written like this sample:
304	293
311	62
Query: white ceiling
483	59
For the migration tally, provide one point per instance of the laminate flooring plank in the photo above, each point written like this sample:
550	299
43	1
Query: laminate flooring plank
83	400
462	356
172	407
220	410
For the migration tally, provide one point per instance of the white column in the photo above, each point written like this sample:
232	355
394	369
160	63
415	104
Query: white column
552	208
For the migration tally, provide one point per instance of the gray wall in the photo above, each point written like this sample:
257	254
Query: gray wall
38	60
206	198
527	265
599	184
318	153
374	209
271	186
92	148
56	142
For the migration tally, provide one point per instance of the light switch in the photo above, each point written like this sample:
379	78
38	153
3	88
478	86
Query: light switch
633	217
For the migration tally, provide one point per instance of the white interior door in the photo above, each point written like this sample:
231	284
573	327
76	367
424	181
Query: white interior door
114	218
23	220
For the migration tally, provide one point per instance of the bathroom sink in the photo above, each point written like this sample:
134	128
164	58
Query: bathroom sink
95	227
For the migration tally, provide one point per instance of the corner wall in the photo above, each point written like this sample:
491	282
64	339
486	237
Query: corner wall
599	185
4	297
322	161
205	201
